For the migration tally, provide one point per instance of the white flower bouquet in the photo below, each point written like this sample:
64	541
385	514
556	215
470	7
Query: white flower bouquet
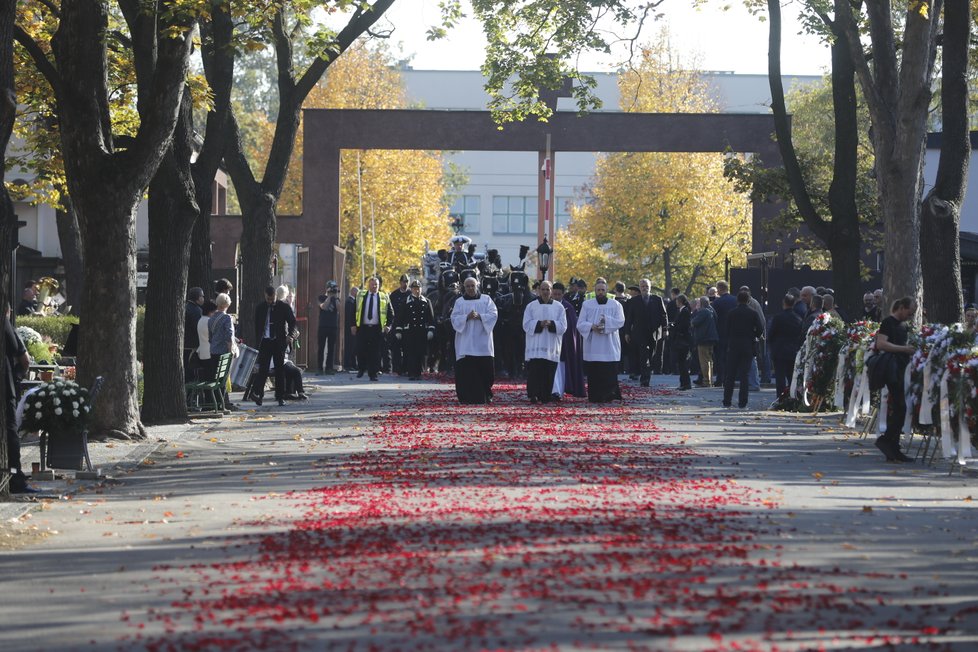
57	407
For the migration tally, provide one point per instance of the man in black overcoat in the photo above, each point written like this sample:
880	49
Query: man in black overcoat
744	327
645	322
274	320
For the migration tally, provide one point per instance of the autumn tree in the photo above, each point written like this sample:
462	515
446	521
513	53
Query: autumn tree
74	45
401	189
671	217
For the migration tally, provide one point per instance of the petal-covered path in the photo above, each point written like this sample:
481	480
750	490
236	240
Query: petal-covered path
514	526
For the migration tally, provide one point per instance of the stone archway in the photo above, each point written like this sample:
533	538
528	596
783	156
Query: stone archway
328	131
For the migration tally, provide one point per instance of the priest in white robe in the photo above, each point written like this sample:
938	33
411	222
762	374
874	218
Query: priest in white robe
473	319
544	322
598	324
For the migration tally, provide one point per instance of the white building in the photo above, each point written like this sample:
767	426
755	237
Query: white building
498	205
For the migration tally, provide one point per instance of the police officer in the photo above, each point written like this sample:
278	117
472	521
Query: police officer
415	328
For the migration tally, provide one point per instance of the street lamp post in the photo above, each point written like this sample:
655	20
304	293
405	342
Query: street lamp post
544	252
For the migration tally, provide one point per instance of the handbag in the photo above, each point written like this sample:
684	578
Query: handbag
881	369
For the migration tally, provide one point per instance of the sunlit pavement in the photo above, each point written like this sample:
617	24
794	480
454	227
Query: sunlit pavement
383	514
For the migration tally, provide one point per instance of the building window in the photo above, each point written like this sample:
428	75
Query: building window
467	209
514	215
562	212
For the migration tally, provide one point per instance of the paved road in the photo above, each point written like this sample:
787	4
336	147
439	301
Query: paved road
381	514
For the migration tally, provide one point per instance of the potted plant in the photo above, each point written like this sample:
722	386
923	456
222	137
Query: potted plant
61	409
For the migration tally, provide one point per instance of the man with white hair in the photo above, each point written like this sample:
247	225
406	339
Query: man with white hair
274	320
544	322
374	318
473	318
804	304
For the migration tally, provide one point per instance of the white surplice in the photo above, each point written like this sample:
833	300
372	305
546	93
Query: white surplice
544	345
598	346
474	336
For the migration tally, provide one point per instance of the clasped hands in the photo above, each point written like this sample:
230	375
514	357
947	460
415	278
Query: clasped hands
474	315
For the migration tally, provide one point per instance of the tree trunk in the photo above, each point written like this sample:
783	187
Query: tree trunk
844	240
8	219
257	249
107	345
172	212
201	262
72	256
940	219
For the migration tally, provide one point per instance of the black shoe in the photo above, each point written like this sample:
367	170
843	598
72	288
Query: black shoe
727	405
886	449
644	383
743	407
374	378
632	376
281	402
901	457
359	374
556	398
684	387
302	396
258	401
19	484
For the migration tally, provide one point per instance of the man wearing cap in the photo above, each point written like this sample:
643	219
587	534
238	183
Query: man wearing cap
415	328
457	257
473	318
579	295
398	299
329	314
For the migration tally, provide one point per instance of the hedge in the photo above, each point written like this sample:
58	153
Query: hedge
57	328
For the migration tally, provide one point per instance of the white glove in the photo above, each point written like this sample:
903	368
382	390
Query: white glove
431	336
398	336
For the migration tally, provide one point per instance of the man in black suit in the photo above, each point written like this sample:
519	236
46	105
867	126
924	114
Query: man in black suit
645	323
744	326
274	320
191	341
784	340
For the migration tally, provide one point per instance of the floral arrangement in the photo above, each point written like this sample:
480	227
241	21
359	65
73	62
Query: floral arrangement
861	340
28	335
826	337
60	406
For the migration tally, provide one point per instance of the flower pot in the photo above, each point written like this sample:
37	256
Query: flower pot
66	450
47	376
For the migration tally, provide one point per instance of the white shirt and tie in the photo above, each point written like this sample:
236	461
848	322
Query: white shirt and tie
371	310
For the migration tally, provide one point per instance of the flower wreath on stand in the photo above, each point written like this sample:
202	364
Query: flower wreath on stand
56	407
826	337
860	339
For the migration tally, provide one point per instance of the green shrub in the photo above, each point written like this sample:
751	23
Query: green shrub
57	328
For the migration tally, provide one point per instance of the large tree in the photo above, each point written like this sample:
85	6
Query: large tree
72	45
940	220
400	191
896	77
180	196
8	219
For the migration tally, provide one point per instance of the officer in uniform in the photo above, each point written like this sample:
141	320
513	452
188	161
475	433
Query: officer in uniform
415	328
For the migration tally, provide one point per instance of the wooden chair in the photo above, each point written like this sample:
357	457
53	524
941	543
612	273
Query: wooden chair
208	396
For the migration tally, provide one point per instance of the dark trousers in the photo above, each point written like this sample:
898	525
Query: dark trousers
326	358
350	351
13	439
680	359
642	358
270	350
540	379
474	377
896	411
397	354
370	339
783	368
415	347
736	368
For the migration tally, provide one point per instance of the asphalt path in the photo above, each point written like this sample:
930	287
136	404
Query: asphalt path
376	502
